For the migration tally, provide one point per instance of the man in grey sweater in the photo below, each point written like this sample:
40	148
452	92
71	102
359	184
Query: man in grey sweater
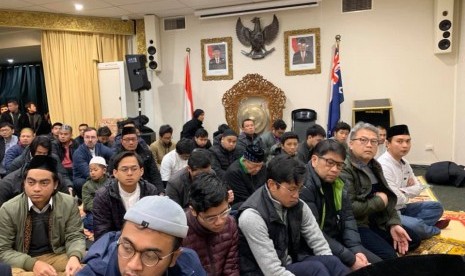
278	233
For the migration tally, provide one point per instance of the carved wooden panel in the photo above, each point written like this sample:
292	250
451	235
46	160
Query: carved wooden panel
256	98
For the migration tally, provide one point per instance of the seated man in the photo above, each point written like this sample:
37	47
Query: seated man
25	139
373	202
276	228
41	228
341	132
130	142
224	154
246	174
148	244
82	155
272	137
288	146
212	231
104	136
382	141
315	134
325	195
201	139
421	217
127	187
41	145
247	135
163	145
176	159
179	185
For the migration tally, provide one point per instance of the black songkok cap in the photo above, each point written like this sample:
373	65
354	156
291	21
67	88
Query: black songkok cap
397	130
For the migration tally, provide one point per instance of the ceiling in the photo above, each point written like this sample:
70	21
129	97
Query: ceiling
132	9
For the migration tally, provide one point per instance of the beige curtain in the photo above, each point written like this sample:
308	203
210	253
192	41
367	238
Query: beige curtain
70	68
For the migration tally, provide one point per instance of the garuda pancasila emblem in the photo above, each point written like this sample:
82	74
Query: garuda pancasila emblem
258	37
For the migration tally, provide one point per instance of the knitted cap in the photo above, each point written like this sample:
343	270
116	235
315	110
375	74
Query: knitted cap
159	213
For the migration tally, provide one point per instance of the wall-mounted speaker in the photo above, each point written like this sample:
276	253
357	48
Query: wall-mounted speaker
137	72
152	41
443	26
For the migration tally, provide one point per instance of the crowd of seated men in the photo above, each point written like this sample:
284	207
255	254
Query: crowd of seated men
246	204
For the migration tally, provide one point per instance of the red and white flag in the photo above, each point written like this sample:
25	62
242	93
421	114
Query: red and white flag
188	100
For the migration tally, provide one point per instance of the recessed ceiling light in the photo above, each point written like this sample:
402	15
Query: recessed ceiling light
10	60
78	7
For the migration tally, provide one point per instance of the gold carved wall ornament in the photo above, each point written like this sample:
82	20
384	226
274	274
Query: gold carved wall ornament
65	22
256	98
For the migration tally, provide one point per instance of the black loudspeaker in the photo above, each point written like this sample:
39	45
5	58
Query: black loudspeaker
151	50
376	112
137	72
443	26
301	120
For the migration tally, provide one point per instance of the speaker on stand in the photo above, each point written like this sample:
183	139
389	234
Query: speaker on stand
138	79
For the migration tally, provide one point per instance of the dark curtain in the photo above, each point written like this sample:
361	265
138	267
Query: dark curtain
25	83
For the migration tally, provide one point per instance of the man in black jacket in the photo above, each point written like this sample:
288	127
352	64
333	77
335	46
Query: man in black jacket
179	185
225	153
130	142
112	201
246	174
324	193
190	127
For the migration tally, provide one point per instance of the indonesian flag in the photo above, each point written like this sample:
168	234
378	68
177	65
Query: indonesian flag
188	102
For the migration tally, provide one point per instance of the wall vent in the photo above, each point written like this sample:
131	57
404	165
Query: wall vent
175	23
356	5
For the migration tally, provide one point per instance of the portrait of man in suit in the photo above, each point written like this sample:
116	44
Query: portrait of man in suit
303	55
217	61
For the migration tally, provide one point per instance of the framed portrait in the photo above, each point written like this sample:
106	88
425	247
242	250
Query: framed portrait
217	58
302	52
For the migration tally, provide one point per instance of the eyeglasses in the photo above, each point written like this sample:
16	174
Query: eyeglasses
127	169
212	219
365	141
293	191
331	163
149	257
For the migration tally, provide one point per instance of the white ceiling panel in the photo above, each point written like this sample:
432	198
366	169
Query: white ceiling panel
153	7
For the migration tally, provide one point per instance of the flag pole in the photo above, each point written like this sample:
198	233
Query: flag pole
338	39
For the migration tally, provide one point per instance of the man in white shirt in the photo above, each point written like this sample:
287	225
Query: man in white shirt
382	141
176	159
421	217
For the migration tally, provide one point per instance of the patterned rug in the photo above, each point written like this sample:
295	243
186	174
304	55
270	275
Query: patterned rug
440	245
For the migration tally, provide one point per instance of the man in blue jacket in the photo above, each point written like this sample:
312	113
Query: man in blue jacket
82	156
149	243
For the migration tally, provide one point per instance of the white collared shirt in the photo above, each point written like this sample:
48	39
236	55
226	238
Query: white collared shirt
397	175
37	210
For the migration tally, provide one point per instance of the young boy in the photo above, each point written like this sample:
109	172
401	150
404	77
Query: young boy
98	178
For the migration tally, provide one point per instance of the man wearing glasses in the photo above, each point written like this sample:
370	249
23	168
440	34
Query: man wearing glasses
373	202
148	245
278	231
212	231
325	195
130	142
112	200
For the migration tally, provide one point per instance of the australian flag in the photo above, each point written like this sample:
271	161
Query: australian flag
337	96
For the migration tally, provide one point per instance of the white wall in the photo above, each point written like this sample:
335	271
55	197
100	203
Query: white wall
385	53
459	138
